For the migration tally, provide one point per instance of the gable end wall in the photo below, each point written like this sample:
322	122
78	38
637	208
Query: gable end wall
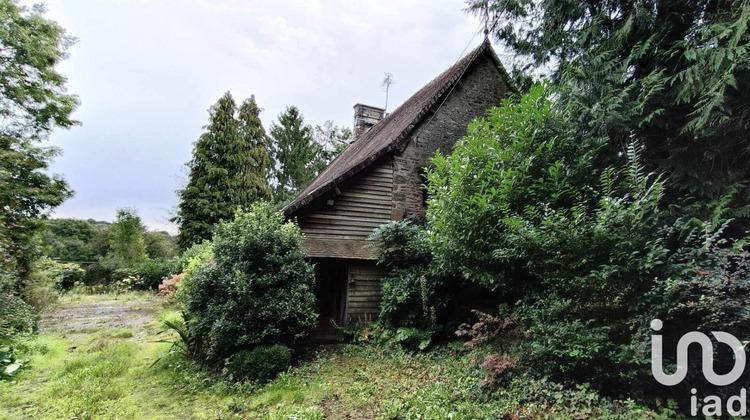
480	88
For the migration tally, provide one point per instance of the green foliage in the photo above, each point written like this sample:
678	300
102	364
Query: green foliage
253	136
68	276
68	240
580	249
33	101
160	245
259	291
10	364
128	248
523	161
672	75
401	244
109	252
421	300
409	290
227	171
40	288
296	154
27	194
261	364
153	271
34	95
414	338
196	255
191	260
101	273
16	316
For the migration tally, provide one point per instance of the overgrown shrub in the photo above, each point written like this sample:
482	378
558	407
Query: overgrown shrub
260	364
128	284
100	273
408	291
498	367
259	291
419	298
16	316
154	271
40	288
414	338
191	259
501	329
196	255
68	276
170	286
580	249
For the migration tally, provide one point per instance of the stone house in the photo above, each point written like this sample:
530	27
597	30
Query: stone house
379	178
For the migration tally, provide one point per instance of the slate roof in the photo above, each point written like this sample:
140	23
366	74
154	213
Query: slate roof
388	134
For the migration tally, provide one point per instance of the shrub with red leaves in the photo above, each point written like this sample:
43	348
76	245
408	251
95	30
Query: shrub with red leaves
497	365
168	286
489	328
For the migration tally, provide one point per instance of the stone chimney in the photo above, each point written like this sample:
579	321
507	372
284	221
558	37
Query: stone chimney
365	116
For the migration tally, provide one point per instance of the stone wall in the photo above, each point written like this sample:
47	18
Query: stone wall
480	88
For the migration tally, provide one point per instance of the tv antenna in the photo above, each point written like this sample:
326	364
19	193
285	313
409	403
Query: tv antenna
387	82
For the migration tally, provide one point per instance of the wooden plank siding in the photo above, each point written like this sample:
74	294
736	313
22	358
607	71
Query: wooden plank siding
363	292
360	205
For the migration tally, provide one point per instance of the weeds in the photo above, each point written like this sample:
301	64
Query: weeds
110	373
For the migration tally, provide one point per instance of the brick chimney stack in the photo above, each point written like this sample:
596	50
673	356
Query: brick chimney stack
365	116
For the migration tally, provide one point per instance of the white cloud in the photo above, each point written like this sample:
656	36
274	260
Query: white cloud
147	71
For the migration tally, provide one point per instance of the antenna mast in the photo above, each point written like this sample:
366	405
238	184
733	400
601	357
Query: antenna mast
387	82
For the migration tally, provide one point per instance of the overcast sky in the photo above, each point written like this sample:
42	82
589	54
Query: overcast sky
147	71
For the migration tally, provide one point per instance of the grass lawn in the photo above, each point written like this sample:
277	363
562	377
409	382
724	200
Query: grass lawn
95	354
103	356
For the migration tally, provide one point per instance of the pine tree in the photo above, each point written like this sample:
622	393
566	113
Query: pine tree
296	153
227	170
255	141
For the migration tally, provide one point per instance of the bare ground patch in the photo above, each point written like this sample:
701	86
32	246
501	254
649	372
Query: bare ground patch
84	317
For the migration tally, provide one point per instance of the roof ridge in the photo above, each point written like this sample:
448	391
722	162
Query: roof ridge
390	132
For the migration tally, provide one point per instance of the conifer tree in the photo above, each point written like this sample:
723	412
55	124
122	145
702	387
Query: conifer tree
255	141
296	153
673	75
227	170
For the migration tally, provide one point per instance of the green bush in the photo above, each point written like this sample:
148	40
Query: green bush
260	364
100	273
408	291
259	290
16	316
68	276
40	288
196	255
526	205
418	294
153	271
